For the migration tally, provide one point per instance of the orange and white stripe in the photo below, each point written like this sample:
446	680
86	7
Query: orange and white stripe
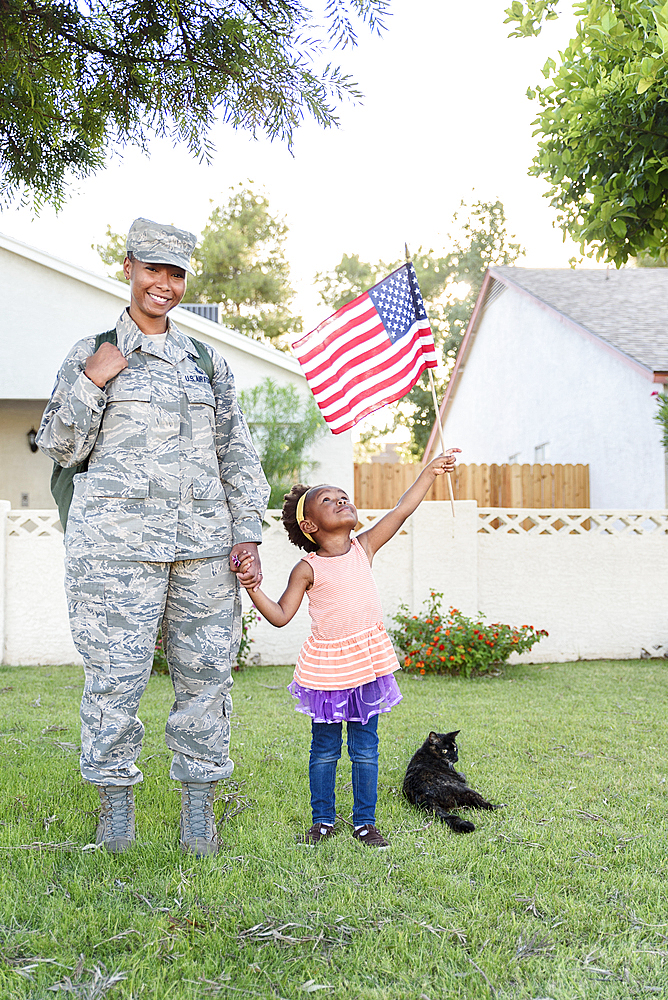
338	664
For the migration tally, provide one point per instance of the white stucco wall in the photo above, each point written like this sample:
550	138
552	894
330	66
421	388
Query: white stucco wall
48	305
596	580
531	378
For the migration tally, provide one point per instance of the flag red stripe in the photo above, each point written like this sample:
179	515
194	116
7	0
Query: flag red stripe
377	404
339	329
363	390
346	348
387	357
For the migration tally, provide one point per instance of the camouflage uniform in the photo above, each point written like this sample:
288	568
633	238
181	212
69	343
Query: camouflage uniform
173	482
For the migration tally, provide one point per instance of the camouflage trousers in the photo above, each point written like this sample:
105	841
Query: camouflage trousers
116	608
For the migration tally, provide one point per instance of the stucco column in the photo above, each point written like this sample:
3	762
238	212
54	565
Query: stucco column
5	508
455	572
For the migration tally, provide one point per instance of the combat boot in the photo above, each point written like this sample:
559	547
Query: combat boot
198	826
116	828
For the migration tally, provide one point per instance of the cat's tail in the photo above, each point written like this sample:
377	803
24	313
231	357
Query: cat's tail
456	823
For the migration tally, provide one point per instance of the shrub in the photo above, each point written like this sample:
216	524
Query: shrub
248	619
434	643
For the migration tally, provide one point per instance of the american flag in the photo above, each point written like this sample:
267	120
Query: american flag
370	352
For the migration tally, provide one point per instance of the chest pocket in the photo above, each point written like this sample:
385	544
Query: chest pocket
199	392
200	418
127	414
133	382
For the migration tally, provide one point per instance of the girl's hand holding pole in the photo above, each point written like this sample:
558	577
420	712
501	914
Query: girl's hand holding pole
443	463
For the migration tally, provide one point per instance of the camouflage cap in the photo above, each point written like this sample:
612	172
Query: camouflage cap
154	243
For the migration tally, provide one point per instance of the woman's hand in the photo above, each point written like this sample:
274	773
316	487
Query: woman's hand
245	562
106	363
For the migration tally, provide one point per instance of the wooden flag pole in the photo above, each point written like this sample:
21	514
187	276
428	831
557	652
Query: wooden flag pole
438	414
440	434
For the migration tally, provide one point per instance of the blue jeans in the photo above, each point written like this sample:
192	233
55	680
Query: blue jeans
325	753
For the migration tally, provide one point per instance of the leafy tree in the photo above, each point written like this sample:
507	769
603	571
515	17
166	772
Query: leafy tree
283	425
603	124
240	263
79	78
449	284
112	253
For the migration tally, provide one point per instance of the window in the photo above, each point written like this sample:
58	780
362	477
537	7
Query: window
512	459
541	452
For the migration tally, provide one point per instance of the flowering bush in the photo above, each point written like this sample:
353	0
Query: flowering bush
434	643
248	618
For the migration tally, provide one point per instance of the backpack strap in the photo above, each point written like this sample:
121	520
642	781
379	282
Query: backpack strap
204	359
108	337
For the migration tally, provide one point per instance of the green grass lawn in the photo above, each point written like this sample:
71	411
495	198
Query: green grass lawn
562	894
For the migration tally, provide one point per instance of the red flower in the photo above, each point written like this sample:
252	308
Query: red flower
441	647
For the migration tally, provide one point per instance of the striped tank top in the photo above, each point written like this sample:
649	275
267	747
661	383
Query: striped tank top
348	645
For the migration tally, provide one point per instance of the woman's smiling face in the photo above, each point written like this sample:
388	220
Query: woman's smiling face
154	288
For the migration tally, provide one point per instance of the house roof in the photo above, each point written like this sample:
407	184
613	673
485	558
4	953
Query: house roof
625	311
211	331
627	308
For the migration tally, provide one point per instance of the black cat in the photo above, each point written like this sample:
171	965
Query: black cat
432	784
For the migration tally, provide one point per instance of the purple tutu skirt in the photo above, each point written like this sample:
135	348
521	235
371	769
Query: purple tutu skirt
349	705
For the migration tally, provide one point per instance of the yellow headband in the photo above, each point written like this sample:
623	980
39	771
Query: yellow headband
300	517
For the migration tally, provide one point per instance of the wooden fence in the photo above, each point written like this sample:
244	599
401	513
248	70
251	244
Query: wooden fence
378	485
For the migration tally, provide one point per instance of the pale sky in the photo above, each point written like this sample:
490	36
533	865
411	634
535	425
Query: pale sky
444	115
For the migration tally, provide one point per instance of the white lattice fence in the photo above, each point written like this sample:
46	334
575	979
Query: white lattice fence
617	523
597	580
34	524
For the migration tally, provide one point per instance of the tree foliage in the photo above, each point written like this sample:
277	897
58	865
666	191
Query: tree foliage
240	264
283	425
449	284
79	78
603	124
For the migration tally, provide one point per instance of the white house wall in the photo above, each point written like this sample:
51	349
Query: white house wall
531	378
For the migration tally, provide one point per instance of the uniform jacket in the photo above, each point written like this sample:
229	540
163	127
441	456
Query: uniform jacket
172	470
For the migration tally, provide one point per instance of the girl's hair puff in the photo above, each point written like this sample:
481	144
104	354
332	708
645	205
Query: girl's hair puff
289	518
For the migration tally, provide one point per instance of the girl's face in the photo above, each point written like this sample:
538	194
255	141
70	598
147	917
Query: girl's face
329	508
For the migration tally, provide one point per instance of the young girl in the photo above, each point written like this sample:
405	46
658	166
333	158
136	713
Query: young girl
345	668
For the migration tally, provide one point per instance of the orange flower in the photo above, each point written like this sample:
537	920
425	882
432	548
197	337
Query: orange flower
452	657
407	661
447	631
422	671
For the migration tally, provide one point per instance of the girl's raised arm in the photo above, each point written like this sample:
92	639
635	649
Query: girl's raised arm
280	612
382	530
